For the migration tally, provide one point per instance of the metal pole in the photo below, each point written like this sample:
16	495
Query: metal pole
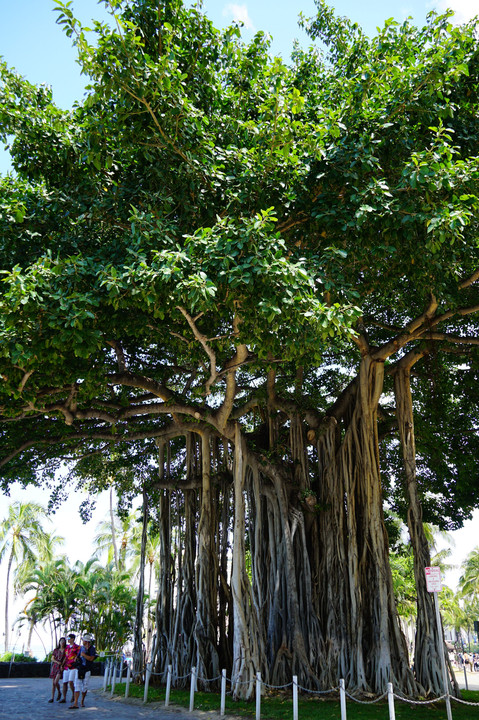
192	688
168	686
392	713
465	676
223	692
128	678
258	696
342	699
443	659
295	697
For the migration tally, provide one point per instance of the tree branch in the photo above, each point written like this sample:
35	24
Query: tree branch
204	342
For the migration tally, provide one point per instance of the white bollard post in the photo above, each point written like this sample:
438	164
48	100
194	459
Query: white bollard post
147	682
128	678
342	696
113	680
192	688
392	713
168	686
223	693
106	672
295	697
120	663
258	696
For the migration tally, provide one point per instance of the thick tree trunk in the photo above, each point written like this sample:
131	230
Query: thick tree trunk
162	610
206	573
225	604
427	660
246	659
321	601
138	655
363	641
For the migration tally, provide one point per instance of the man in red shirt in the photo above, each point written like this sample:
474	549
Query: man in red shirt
69	672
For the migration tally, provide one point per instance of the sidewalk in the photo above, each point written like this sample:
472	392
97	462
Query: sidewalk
472	680
27	699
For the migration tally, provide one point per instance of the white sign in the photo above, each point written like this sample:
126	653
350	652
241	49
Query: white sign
433	579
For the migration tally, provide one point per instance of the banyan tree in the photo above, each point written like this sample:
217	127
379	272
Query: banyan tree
253	285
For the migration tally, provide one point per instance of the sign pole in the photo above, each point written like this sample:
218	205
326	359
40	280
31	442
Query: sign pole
443	658
434	585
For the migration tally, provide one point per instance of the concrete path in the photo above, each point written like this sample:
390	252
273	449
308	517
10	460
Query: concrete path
27	699
472	679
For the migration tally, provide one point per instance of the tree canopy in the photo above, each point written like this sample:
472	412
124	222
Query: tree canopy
261	279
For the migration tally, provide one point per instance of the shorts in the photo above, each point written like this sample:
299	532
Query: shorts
82	685
70	675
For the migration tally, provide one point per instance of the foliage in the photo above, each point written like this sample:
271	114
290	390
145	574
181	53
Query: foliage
469	580
21	536
16	657
82	597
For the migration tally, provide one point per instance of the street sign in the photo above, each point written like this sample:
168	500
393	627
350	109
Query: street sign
433	579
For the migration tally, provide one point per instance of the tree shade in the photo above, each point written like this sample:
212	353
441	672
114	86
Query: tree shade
242	282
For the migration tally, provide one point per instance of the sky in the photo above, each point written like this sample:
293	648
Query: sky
35	45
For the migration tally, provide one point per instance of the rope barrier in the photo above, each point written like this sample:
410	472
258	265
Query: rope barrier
366	702
182	677
318	692
113	659
207	680
419	702
241	682
277	687
464	702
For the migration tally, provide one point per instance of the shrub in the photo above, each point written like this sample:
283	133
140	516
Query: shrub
18	657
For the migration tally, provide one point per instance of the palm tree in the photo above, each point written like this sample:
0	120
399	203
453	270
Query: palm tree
105	603
40	576
469	580
21	536
115	537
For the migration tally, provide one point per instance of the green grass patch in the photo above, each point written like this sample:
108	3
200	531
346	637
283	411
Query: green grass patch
280	707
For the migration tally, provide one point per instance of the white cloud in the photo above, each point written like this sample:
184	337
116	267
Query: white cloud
464	9
239	13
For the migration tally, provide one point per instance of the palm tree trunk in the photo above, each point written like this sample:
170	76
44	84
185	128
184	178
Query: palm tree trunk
113	532
7	592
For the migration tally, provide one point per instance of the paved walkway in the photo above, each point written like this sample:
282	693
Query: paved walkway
472	679
27	699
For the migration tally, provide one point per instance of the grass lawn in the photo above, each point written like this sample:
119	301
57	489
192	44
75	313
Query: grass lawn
313	708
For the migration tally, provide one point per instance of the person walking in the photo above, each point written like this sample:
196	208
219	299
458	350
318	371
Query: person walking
69	671
56	671
85	658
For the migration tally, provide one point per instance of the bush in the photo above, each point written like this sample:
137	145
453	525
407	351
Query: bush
18	657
